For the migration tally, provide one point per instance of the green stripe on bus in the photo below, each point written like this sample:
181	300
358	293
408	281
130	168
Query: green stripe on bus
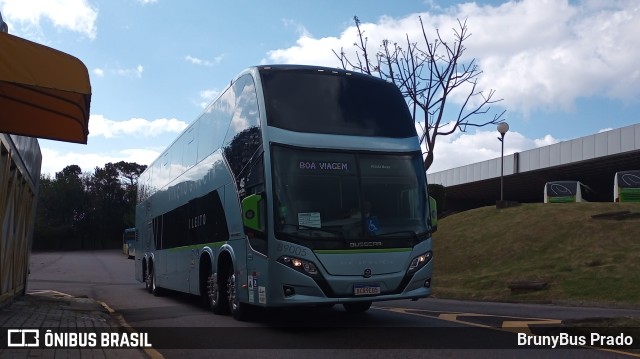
370	250
197	246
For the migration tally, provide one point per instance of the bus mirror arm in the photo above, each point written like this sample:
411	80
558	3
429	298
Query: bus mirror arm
253	212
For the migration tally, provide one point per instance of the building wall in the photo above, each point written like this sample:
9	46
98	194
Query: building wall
617	141
20	161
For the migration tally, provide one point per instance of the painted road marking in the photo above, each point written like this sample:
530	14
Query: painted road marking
152	353
509	323
520	325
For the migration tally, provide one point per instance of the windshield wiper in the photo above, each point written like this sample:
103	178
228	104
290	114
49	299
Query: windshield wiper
411	233
309	228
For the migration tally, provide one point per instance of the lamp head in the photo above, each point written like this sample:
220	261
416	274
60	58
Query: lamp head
503	127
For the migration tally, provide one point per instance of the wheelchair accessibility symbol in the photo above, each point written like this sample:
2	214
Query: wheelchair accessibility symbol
373	225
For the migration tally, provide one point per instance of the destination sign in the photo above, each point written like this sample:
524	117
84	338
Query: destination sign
324	166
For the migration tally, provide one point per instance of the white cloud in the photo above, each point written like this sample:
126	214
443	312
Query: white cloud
300	29
207	96
134	72
73	15
545	141
98	72
605	129
54	161
147	1
197	61
466	148
137	127
536	54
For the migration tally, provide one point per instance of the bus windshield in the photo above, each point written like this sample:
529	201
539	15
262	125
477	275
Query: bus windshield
335	102
334	199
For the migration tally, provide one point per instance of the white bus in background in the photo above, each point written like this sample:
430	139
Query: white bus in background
565	192
626	186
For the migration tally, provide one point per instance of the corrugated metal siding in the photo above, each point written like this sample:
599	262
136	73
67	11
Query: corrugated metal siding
607	143
20	161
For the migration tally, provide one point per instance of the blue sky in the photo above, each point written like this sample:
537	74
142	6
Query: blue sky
564	69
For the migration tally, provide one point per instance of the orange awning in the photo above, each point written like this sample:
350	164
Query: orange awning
44	92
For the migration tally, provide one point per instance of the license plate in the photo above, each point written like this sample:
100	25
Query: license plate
366	289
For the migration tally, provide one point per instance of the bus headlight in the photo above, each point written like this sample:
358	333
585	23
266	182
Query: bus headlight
419	262
300	265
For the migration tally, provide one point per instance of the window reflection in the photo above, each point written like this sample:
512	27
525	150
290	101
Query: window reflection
341	196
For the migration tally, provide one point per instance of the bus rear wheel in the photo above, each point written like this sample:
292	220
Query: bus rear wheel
148	279
356	307
155	290
216	295
240	311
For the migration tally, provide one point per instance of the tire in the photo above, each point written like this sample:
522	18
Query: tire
216	295
356	307
155	290
240	311
148	279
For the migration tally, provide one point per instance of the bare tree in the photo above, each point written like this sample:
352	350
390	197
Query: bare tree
427	72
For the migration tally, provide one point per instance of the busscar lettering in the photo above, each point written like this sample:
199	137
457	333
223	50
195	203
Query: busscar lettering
364	244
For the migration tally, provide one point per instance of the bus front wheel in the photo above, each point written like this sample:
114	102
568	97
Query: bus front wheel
240	311
356	307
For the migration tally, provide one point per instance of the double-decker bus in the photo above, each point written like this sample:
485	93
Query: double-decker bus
297	186
626	186
129	242
565	191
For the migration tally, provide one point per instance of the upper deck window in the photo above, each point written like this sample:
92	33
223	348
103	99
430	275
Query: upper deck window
334	102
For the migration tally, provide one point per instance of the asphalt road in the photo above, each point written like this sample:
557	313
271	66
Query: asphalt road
181	327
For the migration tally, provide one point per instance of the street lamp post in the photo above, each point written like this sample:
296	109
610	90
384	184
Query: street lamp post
503	127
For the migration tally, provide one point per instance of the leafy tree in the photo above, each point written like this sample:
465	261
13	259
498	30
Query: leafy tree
80	210
427	72
107	198
129	174
60	209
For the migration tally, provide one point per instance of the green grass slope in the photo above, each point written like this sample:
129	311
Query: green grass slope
477	254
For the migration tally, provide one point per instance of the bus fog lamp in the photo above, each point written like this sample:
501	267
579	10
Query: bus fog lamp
288	290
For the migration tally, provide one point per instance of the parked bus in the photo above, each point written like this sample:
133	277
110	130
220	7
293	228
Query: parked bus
297	186
565	191
128	242
626	186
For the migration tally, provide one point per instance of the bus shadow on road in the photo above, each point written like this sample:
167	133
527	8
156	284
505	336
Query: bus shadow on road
312	316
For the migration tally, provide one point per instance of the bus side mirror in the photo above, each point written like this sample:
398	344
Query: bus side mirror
253	212
433	214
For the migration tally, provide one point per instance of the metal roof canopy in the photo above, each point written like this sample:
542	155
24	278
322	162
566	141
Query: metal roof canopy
44	92
527	187
592	160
